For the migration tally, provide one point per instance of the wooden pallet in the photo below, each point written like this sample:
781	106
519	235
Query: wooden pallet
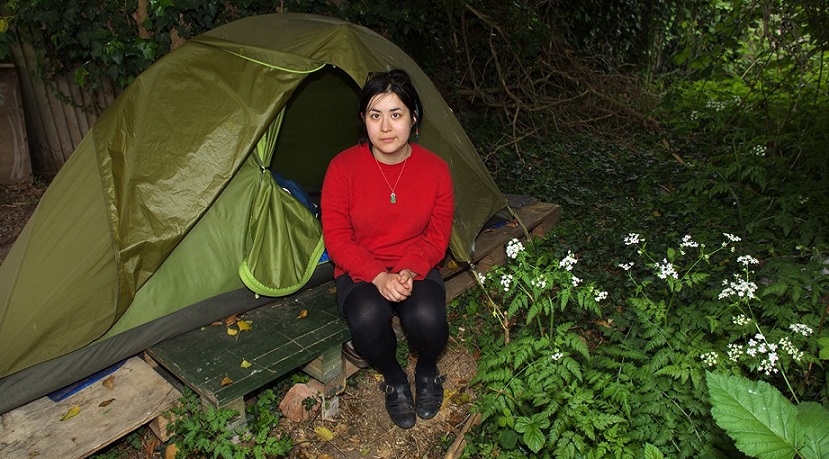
301	330
132	396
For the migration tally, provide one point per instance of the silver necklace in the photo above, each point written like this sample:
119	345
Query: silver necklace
392	196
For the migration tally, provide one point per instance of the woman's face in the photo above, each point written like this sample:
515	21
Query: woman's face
388	123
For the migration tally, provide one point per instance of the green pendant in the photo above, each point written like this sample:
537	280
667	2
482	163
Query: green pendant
393	198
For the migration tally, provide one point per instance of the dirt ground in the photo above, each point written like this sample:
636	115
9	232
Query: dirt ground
17	202
360	429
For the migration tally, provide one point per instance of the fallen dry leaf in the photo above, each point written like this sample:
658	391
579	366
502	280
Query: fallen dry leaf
245	364
106	402
226	381
232	331
170	451
302	314
230	320
324	433
71	413
109	383
243	325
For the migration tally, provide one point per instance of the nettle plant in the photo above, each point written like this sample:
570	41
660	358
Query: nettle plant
584	372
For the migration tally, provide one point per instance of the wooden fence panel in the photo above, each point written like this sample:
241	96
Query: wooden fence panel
58	113
15	163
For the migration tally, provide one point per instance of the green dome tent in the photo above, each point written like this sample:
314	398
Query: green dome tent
166	217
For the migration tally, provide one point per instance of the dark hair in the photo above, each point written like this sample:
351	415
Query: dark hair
395	81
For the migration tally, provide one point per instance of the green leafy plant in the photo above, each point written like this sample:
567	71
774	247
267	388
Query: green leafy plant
584	372
204	432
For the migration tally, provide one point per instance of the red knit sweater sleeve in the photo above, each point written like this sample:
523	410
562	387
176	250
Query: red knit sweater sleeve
338	232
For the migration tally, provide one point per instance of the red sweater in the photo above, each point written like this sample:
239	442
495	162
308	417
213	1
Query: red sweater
366	234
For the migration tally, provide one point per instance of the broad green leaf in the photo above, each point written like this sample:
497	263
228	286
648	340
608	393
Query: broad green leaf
533	436
761	421
652	452
814	419
823	342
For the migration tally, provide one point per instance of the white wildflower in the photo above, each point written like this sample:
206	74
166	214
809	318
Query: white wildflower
735	351
741	320
632	238
514	247
788	347
506	281
539	282
731	237
575	281
600	296
626	266
709	358
666	269
759	150
556	356
741	288
688	242
747	260
803	329
768	366
568	262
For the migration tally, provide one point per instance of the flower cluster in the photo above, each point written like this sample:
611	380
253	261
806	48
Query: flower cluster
556	356
514	247
709	358
741	320
740	287
735	351
759	150
575	281
747	260
765	352
666	270
802	329
687	241
716	105
758	347
789	348
632	239
506	281
731	238
626	266
539	282
568	262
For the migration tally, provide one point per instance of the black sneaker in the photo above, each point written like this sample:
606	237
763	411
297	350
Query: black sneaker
429	395
399	404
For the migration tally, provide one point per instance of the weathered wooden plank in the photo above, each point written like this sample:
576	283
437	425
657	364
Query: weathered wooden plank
137	395
285	335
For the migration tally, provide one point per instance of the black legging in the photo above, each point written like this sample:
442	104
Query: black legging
422	315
